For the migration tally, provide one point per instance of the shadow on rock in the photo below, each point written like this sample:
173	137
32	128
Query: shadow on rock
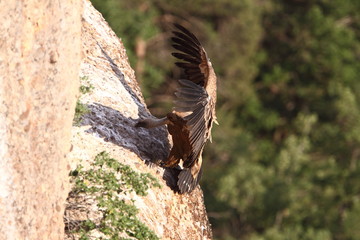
151	145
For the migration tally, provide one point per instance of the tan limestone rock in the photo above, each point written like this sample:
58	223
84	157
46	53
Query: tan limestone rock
39	64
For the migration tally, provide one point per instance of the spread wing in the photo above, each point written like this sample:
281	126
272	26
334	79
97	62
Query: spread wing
193	100
196	64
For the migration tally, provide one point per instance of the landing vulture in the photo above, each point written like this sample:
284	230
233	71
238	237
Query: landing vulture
193	115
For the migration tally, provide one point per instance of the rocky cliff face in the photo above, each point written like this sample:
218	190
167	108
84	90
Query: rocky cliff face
39	68
39	63
116	103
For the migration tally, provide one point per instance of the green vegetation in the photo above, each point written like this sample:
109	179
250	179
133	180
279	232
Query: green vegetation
285	159
85	87
104	181
80	110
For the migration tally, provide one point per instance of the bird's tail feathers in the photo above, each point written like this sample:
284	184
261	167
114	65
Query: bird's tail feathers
186	181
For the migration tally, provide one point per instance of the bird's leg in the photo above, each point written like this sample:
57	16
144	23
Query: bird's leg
152	122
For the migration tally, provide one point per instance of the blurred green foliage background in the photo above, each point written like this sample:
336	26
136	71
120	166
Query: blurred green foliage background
285	159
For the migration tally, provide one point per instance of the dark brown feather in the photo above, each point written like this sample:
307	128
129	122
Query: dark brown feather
195	122
180	135
186	38
187	65
196	67
186	43
188	50
187	58
187	32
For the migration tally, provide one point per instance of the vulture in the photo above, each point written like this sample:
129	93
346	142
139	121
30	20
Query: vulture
193	115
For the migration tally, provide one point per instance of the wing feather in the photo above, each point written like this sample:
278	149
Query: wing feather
188	44
188	33
185	103
196	65
188	50
186	38
187	66
193	98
